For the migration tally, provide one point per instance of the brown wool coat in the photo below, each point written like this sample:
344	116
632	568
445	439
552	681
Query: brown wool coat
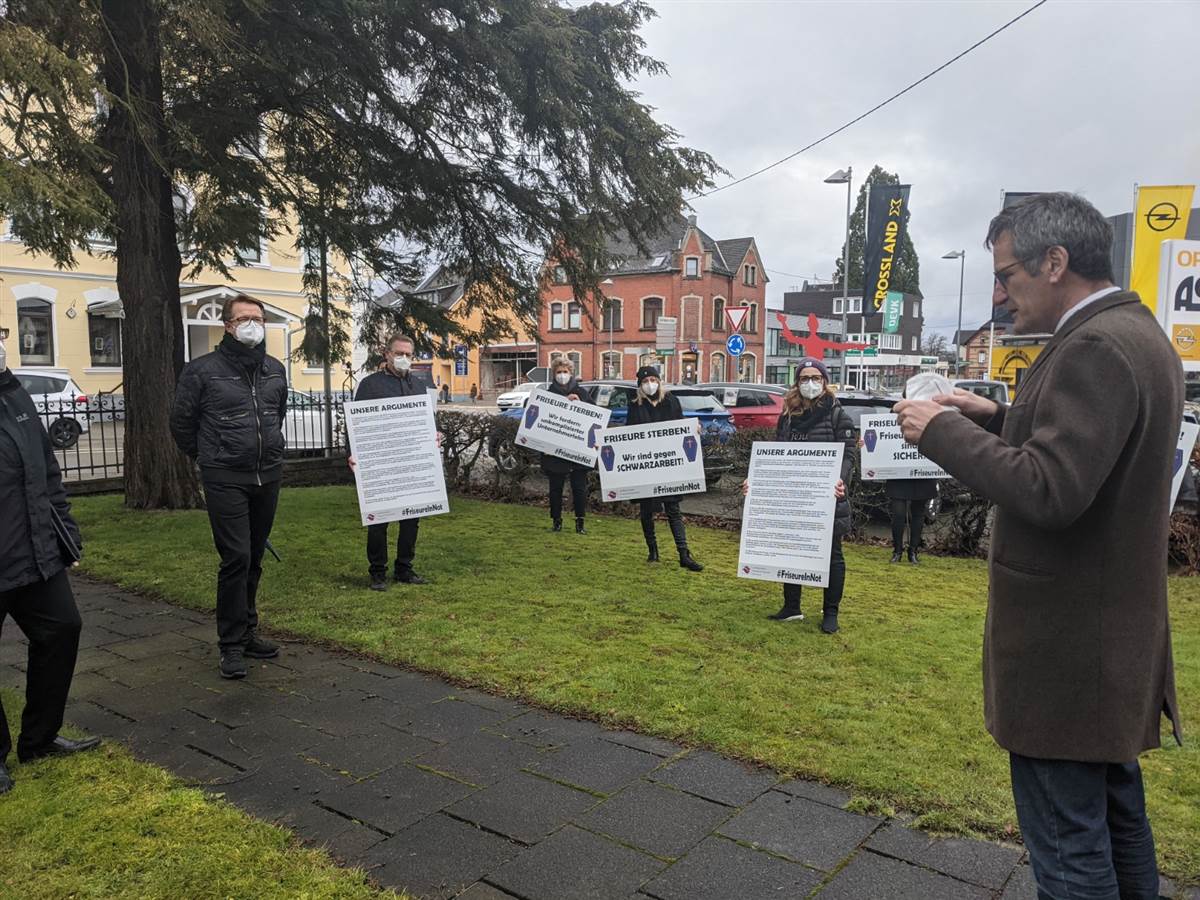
1077	648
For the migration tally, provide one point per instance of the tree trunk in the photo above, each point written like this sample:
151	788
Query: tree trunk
157	474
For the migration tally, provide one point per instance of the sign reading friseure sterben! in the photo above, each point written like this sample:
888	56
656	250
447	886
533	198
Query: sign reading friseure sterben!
787	520
646	461
569	429
398	469
886	455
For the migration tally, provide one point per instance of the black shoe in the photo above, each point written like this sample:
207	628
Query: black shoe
912	557
61	746
686	561
829	623
787	614
6	782
557	526
260	648
897	555
378	584
579	527
233	663
652	556
410	577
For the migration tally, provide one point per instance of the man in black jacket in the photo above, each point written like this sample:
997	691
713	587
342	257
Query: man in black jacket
34	588
228	416
396	379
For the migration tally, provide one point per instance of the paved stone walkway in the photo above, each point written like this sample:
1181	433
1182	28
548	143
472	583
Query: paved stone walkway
450	792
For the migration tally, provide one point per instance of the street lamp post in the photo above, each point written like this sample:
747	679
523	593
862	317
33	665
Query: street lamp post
611	322
843	176
961	256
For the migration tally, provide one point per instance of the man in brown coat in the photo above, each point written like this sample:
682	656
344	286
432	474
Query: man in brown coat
1077	667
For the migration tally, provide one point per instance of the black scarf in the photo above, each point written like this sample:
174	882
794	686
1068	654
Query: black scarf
250	357
8	381
803	422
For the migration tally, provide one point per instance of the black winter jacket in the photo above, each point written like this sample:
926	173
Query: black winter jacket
556	465
826	422
911	489
228	414
643	412
31	490
385	383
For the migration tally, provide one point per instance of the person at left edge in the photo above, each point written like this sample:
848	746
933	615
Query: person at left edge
395	379
655	404
228	416
34	588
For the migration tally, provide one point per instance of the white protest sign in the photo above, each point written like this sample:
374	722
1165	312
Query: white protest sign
569	429
656	460
787	520
886	455
398	468
1183	456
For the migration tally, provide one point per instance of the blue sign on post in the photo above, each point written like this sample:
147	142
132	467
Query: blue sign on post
460	366
736	345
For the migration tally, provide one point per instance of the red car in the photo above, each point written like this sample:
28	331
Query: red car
751	405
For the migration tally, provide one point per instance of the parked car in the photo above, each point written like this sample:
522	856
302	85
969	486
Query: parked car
751	405
519	396
60	402
993	390
304	425
866	403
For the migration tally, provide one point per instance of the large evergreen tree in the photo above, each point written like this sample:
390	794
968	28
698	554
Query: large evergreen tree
906	270
482	133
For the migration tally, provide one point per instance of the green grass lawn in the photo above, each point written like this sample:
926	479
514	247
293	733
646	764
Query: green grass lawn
891	707
103	825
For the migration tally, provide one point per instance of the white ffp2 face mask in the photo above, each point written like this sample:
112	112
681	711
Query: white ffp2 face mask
563	378
401	363
811	390
250	333
650	388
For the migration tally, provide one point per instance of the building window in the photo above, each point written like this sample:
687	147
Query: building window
576	359
251	254
610	364
752	319
913	343
35	332
691	267
747	365
982	357
916	309
104	340
652	308
718	367
560	275
837	306
556	317
574	316
613	314
718	320
891	342
750	275
856	304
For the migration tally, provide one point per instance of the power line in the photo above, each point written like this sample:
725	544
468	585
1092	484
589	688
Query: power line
873	109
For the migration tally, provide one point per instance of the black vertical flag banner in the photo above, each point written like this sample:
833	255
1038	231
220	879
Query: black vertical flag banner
887	210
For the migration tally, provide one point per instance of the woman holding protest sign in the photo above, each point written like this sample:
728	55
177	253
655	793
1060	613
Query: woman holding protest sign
564	383
812	413
655	404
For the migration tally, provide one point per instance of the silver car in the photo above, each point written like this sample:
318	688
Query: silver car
61	404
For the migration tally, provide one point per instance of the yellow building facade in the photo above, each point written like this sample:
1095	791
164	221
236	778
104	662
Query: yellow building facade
1013	354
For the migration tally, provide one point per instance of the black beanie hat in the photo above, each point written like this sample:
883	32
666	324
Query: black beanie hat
810	363
646	372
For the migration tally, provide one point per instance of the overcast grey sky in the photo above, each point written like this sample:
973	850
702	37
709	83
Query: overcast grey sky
1082	96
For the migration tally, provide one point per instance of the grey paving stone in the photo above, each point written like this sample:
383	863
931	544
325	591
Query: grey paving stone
481	890
349	714
341	838
363	756
279	786
190	764
596	765
872	877
575	865
443	721
154	645
643	742
1021	885
480	758
141	673
92	719
93	658
657	819
242	704
91	685
153	623
719	869
437	857
523	807
545	729
814	790
509	708
275	735
412	689
713	777
978	862
799	829
395	799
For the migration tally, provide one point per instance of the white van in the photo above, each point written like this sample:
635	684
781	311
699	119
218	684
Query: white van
993	390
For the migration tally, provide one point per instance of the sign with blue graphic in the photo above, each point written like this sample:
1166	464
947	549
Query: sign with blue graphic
460	365
736	345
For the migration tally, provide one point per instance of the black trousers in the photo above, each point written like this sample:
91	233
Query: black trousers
45	611
837	582
406	547
241	516
914	511
578	492
674	519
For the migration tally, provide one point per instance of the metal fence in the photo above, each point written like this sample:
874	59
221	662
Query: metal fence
88	432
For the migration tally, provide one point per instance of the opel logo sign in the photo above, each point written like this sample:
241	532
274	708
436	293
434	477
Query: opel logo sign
1185	338
1162	216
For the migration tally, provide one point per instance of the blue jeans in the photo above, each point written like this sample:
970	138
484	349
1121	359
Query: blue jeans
1086	830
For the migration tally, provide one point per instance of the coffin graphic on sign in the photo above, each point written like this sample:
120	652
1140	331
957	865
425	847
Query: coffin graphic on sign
689	448
607	456
531	415
1178	461
592	436
870	438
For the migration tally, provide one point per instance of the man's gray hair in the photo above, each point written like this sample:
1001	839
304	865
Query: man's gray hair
1042	221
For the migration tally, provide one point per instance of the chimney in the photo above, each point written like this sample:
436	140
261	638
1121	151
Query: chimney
692	220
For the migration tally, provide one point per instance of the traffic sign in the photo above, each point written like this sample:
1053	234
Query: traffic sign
665	331
736	317
736	345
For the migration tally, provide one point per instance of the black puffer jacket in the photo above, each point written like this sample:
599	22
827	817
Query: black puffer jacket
825	422
643	412
31	491
556	465
386	383
229	411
